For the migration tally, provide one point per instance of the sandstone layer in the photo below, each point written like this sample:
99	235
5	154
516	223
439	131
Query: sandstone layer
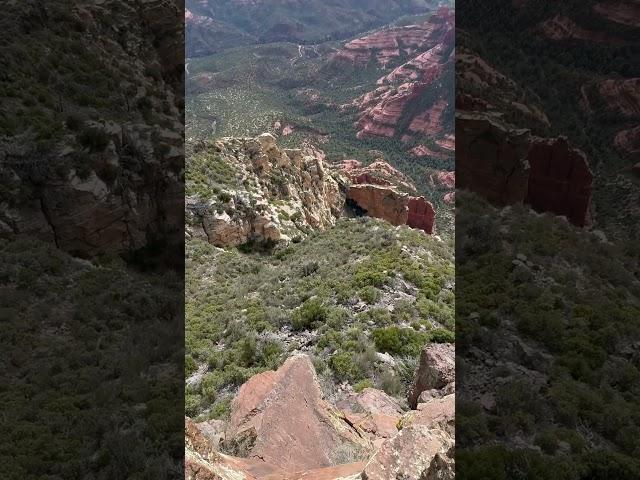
409	101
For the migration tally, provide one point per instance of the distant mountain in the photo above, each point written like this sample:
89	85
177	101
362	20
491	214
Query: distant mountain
213	26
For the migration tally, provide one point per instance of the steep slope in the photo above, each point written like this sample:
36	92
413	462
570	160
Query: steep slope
88	133
91	138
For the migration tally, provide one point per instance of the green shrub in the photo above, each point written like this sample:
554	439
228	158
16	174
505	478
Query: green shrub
369	294
310	314
440	335
344	368
362	384
399	341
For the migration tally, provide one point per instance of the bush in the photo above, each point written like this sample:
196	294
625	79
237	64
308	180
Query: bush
399	341
362	384
344	368
440	335
369	295
94	138
310	314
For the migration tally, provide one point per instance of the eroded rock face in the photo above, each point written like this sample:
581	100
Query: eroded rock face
507	165
284	411
376	191
560	180
421	214
628	141
376	173
561	27
95	214
490	160
394	207
269	194
390	110
387	45
435	371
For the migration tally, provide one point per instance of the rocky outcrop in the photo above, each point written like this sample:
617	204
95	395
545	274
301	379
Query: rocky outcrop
445	179
387	45
561	27
423	449
490	159
109	209
284	411
622	96
560	180
379	190
377	173
436	370
507	165
474	74
266	194
394	207
628	141
374	412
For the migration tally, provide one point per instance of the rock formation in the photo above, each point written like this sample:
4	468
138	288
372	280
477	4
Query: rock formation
408	101
376	173
423	448
387	45
281	428
267	194
284	411
628	141
436	371
507	165
560	180
394	207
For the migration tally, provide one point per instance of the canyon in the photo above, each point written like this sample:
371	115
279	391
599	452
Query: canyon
408	101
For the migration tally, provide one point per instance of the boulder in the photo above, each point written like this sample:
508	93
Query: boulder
436	413
436	370
284	411
415	453
371	400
